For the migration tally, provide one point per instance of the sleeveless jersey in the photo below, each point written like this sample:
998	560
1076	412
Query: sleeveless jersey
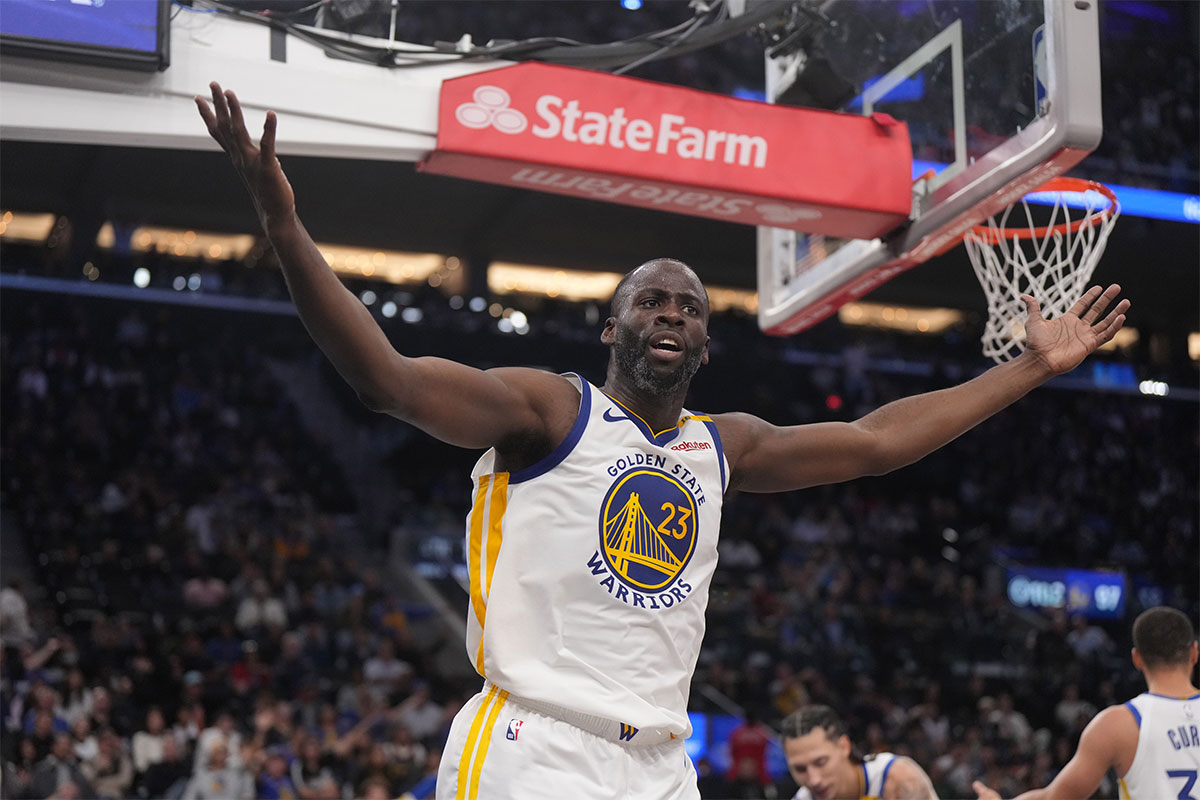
1167	761
590	569
875	770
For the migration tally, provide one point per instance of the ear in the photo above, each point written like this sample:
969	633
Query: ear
844	746
608	335
1137	660
1194	656
704	353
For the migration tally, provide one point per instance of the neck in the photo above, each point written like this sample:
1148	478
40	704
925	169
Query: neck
1171	682
852	785
659	411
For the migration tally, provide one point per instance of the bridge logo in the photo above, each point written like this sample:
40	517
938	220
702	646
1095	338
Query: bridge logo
648	529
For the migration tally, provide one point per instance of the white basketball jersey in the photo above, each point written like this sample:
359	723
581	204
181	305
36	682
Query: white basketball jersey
590	569
1167	761
875	770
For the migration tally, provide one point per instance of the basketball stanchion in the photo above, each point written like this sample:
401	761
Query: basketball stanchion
1046	245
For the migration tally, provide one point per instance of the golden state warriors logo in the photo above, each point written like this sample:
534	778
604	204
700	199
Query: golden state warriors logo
647	529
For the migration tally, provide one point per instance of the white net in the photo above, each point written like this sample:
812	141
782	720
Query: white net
1051	258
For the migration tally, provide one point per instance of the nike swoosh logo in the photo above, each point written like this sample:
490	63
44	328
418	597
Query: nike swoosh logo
608	416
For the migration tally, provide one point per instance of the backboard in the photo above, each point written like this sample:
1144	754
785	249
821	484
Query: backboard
999	96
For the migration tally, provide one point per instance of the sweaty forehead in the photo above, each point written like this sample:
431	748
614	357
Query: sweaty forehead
673	277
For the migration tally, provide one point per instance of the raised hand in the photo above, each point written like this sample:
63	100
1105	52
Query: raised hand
257	165
1064	342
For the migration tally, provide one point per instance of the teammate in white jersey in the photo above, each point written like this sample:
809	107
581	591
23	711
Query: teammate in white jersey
824	762
1152	742
593	533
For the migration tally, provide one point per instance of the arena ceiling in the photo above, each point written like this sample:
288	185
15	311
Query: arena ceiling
391	205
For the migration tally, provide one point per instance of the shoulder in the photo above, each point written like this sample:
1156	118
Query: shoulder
906	780
1112	736
738	431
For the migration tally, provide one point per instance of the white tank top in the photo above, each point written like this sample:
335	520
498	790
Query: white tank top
875	770
1167	762
590	569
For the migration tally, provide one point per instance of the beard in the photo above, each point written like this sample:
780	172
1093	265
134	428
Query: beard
632	362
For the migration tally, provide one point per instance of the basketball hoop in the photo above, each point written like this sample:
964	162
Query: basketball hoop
1050	254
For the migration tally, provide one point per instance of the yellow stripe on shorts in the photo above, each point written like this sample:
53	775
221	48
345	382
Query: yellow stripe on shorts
485	742
464	761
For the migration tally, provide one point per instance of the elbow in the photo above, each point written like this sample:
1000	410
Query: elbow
881	455
379	402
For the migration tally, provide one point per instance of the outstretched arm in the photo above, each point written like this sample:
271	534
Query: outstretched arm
768	458
1109	740
456	403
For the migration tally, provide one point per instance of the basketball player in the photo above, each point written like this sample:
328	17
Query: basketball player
1153	741
827	767
593	534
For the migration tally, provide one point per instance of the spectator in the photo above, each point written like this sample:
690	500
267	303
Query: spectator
168	777
59	768
220	778
148	743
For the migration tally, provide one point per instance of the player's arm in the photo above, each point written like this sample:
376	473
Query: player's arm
456	403
769	458
1109	740
907	781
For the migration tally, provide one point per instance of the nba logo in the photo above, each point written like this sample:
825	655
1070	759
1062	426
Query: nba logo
514	729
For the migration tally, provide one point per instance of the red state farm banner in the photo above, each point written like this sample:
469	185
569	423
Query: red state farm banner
605	137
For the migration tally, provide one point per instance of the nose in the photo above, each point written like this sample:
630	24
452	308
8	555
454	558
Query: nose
669	314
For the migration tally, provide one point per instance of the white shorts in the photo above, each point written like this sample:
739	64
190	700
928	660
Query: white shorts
500	748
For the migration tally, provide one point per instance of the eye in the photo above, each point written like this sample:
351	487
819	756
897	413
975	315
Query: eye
691	309
650	302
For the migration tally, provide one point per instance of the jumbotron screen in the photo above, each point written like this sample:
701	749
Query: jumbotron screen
118	33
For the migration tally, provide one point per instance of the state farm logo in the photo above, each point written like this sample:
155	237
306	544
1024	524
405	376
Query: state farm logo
667	134
491	109
785	215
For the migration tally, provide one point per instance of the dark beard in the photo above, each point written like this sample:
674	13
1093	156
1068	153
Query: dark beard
633	364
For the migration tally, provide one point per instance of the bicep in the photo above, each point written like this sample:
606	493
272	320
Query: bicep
475	408
770	458
1096	753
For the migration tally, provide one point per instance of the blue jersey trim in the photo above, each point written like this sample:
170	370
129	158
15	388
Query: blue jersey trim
716	437
883	777
1173	697
662	438
566	445
1136	714
866	780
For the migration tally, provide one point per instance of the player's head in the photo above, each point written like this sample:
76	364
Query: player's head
658	328
1163	638
819	753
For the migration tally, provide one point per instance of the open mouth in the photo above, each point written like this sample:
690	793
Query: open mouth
666	346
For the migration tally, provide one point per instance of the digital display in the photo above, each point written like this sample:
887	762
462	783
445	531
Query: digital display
130	33
1095	594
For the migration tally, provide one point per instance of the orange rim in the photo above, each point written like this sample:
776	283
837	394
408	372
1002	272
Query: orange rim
1080	185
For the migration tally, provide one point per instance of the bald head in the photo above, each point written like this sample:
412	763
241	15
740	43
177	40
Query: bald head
621	294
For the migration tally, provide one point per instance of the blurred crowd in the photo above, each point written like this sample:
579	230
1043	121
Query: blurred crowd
201	616
195	620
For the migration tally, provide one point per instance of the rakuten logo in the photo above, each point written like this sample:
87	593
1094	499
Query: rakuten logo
670	134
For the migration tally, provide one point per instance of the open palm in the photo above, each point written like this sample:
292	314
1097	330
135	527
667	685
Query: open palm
257	165
1063	342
